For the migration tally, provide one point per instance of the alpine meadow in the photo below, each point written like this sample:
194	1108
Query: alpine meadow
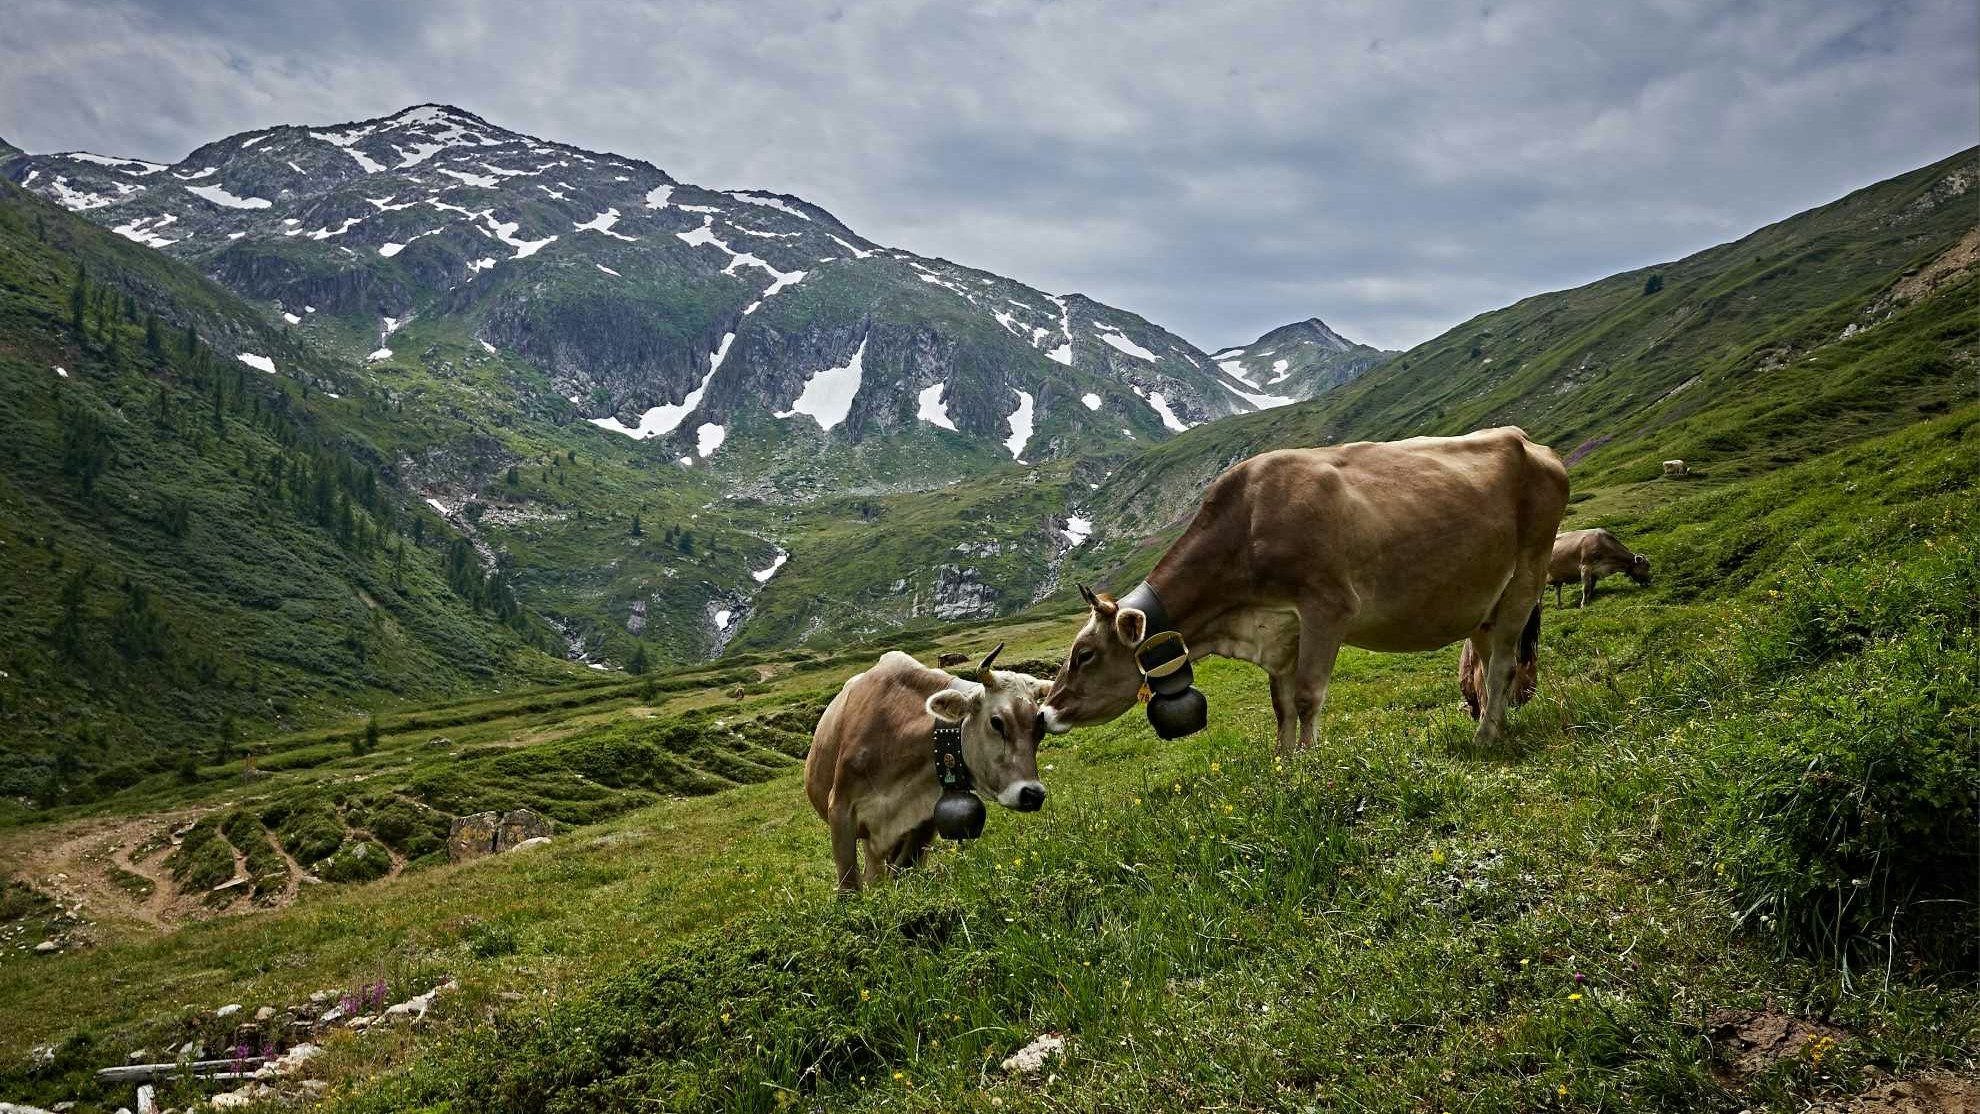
428	549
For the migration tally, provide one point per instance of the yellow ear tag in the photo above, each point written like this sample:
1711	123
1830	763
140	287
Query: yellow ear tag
1144	694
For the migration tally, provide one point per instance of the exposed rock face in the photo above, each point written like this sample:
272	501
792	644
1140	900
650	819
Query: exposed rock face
519	826
487	833
960	593
473	836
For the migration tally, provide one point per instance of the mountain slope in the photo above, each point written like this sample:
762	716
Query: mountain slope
679	420
1302	360
195	546
1839	323
652	307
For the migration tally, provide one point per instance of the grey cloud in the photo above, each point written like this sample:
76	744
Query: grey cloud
1220	169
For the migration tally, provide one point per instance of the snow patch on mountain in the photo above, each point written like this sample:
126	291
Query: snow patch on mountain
259	363
762	576
828	395
1020	423
930	408
124	165
218	195
1169	418
1120	343
75	200
603	222
483	181
1091	400
656	198
768	202
708	437
667	417
1261	401
857	253
145	230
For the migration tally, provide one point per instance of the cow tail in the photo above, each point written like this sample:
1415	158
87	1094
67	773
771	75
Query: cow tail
1529	639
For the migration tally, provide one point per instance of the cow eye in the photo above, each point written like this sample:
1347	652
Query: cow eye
997	723
1083	657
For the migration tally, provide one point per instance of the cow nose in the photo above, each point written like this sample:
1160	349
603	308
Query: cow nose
1031	798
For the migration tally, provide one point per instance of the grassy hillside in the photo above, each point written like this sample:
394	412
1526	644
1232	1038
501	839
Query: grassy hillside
1392	921
193	550
1836	324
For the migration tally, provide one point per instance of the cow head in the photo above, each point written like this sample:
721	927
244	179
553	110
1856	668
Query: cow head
1100	678
1001	728
1639	569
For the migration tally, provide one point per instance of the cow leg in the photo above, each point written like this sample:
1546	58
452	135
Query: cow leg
879	864
1471	671
907	853
1286	709
1558	585
1500	653
1587	586
1319	645
845	846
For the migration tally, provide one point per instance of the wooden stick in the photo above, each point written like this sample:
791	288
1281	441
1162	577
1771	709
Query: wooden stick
218	1069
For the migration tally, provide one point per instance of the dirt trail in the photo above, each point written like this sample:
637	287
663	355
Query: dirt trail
70	861
153	907
294	882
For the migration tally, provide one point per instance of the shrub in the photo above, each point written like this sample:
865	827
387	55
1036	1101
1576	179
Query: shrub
203	859
356	861
1850	831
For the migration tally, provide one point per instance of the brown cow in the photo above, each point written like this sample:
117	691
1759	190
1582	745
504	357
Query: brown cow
871	769
1590	555
1393	546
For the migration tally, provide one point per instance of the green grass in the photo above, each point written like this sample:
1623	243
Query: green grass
1393	921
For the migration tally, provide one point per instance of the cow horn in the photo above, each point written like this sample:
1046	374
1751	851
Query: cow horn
983	670
1087	595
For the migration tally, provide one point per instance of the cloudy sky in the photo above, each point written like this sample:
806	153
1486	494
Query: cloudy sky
1220	168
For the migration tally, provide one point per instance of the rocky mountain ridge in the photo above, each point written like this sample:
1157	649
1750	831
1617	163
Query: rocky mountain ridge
651	307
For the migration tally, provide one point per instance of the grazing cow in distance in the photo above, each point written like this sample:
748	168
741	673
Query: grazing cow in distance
871	772
1675	470
1590	555
1393	546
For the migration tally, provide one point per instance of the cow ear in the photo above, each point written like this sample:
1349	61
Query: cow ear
1131	623
949	705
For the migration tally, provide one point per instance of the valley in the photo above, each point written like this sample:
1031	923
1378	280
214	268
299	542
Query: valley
543	480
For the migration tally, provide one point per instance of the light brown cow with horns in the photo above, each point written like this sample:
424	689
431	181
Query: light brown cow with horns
1394	546
872	771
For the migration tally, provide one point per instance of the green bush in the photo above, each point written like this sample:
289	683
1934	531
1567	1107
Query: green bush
203	859
1850	832
359	860
307	825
